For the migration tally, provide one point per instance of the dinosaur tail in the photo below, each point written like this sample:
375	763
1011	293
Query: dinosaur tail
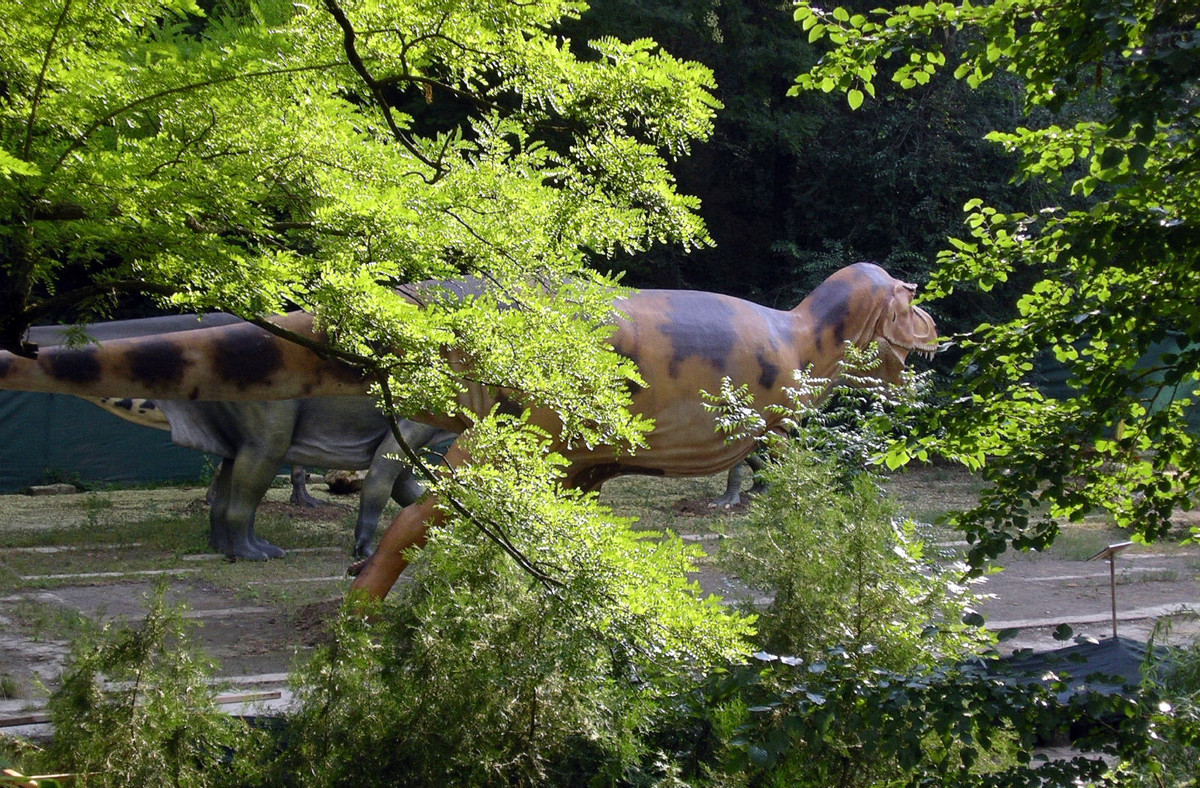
236	362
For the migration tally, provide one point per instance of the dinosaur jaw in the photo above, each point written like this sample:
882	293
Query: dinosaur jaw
894	357
908	333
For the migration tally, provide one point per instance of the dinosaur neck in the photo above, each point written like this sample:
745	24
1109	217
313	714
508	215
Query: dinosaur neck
238	362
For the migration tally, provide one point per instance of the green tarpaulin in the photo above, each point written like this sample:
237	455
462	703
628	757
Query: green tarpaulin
55	437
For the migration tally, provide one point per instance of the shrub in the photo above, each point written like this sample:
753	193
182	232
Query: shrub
475	676
136	707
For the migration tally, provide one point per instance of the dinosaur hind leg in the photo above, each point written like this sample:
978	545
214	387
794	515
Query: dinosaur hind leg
389	476
300	494
409	528
218	493
232	516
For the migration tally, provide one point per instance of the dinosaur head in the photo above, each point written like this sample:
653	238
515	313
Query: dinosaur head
863	303
902	328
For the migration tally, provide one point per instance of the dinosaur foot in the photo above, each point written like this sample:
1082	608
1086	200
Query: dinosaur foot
726	501
357	566
756	490
247	548
302	497
269	550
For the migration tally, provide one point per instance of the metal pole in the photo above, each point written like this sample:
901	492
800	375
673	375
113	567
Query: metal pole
1110	553
1112	584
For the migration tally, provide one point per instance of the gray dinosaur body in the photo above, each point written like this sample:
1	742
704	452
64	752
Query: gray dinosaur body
257	437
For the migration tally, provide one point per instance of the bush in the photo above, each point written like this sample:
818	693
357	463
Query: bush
845	571
136	707
475	676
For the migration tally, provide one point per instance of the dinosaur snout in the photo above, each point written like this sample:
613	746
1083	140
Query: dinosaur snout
909	329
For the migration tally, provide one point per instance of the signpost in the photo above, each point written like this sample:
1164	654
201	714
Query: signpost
1110	553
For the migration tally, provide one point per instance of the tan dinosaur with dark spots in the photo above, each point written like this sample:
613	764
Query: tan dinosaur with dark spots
683	342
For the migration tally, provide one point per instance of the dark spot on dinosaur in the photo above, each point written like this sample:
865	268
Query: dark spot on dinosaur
629	351
73	365
247	356
770	371
5	365
507	405
830	306
347	372
124	404
156	362
626	350
699	326
195	394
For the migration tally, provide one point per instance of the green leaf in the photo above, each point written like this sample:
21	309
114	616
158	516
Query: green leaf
854	97
11	165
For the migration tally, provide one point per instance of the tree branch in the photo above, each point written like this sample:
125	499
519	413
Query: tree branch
349	44
41	83
489	529
79	141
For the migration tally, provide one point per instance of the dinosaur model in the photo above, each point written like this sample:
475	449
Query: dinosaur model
683	342
147	413
256	438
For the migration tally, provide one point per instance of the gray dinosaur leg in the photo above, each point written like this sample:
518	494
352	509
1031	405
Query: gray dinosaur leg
300	494
218	494
376	489
210	495
756	462
250	474
733	488
388	476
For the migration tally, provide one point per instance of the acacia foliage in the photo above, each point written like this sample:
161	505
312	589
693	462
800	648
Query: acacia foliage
1111	88
259	155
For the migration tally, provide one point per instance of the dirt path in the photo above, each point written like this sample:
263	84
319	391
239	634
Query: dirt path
95	557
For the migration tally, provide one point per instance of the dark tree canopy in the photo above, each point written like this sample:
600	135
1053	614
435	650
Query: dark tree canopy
794	187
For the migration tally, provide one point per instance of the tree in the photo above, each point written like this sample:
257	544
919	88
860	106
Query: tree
260	156
1112	88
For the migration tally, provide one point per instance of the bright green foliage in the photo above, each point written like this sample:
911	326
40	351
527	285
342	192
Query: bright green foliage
267	155
478	677
840	565
259	155
135	707
1115	281
844	570
618	584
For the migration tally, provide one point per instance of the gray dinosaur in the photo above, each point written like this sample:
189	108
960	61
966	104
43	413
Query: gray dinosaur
146	413
257	437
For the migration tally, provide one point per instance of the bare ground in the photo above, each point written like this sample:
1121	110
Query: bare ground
70	559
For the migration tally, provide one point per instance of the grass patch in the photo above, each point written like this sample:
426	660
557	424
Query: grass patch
166	529
928	494
178	533
41	620
654	502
